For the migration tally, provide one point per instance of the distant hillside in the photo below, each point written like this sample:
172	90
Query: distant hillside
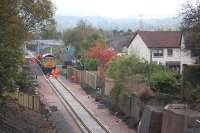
65	22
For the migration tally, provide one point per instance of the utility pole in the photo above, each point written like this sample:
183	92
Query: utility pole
141	22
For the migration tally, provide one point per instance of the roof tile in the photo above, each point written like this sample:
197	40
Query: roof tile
161	39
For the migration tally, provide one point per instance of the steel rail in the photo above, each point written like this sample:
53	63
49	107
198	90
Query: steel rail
107	131
74	112
77	121
69	108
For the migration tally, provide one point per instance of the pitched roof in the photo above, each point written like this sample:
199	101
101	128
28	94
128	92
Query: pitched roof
161	39
119	40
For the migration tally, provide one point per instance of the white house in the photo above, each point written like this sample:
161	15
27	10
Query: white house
163	47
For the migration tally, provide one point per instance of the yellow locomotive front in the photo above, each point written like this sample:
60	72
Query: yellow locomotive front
48	63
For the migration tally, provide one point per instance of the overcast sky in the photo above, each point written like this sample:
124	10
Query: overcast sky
119	8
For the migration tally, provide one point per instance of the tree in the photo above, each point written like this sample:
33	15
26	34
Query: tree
101	54
191	26
90	64
90	42
50	32
17	19
73	37
78	34
8	67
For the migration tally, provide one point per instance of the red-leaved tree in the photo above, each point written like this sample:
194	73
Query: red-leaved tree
102	55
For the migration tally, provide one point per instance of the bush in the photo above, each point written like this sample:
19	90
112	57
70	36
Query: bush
191	92
23	80
90	64
163	82
115	92
161	79
191	74
125	66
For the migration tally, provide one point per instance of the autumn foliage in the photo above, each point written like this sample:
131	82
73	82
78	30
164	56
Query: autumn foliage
101	54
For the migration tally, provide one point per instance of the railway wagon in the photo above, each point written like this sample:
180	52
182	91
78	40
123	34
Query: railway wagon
48	63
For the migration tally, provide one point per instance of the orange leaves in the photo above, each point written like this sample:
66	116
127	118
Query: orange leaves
96	51
101	54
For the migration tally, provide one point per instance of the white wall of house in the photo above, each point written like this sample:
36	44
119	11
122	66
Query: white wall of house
139	48
181	55
175	56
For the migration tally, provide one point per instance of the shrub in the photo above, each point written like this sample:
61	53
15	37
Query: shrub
159	78
164	82
123	99
23	80
191	74
191	93
115	92
90	64
195	96
125	66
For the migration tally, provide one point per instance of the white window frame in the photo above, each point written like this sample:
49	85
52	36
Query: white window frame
158	51
168	52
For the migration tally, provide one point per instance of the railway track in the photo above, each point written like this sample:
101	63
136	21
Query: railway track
85	120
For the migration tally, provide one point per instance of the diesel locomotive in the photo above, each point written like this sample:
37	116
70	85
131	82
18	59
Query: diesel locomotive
47	63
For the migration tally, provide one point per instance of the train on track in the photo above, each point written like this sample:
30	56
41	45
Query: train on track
47	62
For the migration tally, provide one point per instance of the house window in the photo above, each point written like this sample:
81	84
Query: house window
170	52
158	53
174	65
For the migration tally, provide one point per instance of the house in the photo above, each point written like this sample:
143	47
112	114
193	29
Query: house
163	47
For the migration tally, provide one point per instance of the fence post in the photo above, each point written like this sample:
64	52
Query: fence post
22	99
28	101
86	80
95	81
84	76
17	93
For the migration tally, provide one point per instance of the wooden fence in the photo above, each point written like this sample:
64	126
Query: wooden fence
29	101
109	84
86	77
